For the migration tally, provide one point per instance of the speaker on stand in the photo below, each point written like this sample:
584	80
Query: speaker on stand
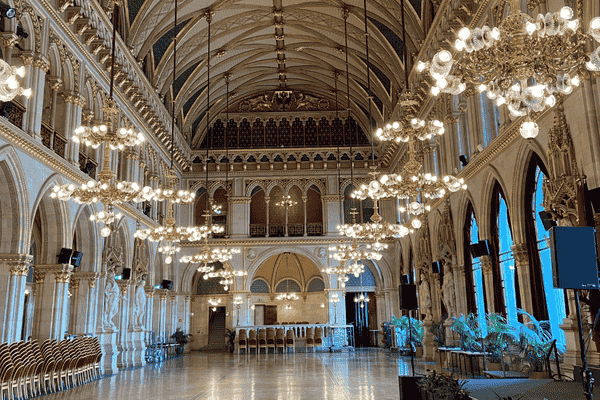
568	244
407	295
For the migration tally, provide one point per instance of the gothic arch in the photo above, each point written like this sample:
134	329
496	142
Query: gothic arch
88	238
492	176
54	215
14	199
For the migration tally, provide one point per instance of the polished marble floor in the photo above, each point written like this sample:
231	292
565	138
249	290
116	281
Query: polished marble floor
341	376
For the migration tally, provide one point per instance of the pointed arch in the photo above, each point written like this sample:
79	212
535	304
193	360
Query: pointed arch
14	203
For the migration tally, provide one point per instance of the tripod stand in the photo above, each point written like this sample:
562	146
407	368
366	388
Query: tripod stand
588	380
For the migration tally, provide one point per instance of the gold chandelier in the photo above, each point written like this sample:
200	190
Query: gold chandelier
286	201
209	255
226	274
9	85
522	63
106	190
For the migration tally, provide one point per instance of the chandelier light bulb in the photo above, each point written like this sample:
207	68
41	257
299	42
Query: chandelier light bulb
435	90
464	33
105	232
529	129
416	223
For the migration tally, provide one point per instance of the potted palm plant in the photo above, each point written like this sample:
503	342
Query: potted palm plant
412	339
500	335
469	332
439	387
535	340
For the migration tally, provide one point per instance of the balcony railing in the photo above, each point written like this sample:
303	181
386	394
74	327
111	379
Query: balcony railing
53	140
13	111
278	230
87	165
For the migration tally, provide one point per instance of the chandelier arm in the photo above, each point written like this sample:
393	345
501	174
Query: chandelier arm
113	49
173	87
405	49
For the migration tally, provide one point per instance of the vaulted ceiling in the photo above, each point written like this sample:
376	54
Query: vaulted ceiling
268	45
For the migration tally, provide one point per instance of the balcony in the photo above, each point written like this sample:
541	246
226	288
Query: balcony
293	230
53	140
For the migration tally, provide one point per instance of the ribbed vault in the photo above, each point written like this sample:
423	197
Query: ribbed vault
269	45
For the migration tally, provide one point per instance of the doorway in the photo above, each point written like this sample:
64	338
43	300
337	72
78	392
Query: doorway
216	328
363	315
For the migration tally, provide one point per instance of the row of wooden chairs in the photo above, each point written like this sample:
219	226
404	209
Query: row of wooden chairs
28	369
272	338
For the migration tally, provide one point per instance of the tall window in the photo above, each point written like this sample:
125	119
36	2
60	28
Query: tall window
470	231
555	298
503	260
478	277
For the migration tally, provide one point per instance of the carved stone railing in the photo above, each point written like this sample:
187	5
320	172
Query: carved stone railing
314	229
13	111
258	230
53	140
88	165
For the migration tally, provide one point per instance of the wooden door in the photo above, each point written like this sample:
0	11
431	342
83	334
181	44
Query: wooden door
270	315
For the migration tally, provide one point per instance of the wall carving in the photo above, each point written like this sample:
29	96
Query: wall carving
282	100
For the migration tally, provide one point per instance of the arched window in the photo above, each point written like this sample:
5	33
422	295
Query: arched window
259	286
502	257
470	234
540	260
479	288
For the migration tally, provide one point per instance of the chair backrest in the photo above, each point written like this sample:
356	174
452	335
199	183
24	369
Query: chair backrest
252	334
242	331
262	333
310	332
318	331
290	333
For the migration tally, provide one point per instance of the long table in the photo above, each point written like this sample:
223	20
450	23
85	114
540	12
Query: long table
467	356
333	335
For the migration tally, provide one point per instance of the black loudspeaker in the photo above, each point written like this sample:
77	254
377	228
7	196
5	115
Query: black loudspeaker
64	256
408	297
463	160
409	389
126	273
405	279
547	220
76	259
574	257
481	248
593	196
166	284
435	267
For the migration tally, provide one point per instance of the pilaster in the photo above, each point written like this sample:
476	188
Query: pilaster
52	291
13	276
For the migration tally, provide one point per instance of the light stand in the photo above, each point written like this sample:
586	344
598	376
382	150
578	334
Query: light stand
588	380
412	353
238	303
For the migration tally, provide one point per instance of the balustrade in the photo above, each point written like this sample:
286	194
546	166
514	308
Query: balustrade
278	230
13	111
87	164
53	140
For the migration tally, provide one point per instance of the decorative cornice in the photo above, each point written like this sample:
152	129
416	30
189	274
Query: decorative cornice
62	272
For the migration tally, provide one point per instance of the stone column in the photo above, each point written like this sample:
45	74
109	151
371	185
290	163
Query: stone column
428	341
304	199
37	66
267	199
74	103
593	135
83	302
240	225
331	215
123	340
106	335
521	257
55	84
160	316
488	278
149	308
13	276
51	301
461	289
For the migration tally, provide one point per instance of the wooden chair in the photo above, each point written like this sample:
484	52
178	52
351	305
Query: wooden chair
243	341
318	336
252	341
271	339
310	338
280	340
262	339
290	341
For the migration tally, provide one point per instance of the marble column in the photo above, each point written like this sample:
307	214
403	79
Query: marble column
267	199
304	199
13	276
37	66
123	340
83	302
461	289
149	308
488	279
74	103
51	301
521	257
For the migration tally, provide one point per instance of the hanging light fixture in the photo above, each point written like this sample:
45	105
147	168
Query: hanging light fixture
106	190
226	274
286	201
374	231
287	296
9	85
411	184
171	234
348	255
208	255
362	300
522	63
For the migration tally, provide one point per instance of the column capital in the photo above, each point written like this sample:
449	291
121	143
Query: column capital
149	291
74	283
62	272
486	264
73	97
240	200
520	254
18	263
162	293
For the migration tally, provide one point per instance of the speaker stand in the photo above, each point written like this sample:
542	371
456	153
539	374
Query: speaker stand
588	380
412	353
